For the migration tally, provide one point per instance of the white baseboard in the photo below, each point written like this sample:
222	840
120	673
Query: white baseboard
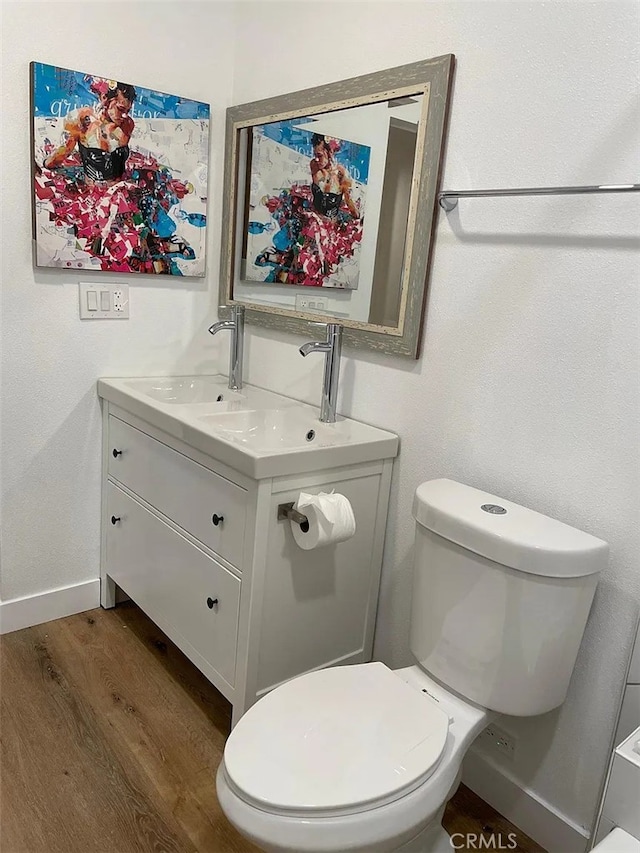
17	613
525	809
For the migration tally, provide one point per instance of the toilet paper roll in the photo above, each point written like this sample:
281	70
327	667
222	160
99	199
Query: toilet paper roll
331	519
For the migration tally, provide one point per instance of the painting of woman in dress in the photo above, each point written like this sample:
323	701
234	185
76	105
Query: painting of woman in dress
120	175
306	207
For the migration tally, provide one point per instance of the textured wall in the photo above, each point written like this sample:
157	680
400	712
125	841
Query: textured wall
50	360
528	381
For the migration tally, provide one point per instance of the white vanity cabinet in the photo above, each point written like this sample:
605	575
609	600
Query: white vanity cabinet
198	546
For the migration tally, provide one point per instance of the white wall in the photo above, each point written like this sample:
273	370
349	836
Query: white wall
528	381
50	360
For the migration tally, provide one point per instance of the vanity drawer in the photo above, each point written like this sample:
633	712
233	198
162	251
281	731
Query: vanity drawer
174	582
205	504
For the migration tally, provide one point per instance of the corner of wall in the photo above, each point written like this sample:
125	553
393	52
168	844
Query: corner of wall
523	807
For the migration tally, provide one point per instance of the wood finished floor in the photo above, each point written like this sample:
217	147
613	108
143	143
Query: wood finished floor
110	739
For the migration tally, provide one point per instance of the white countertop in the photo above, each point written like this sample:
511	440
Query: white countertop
256	432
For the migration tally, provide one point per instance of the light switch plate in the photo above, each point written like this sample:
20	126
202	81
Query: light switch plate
103	300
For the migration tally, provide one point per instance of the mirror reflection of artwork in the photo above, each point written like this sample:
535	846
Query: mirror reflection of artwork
399	116
120	175
306	207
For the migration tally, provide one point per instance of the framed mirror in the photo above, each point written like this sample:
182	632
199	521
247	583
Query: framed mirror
330	204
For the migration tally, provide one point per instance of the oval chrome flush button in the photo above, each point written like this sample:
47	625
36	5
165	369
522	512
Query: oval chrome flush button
494	509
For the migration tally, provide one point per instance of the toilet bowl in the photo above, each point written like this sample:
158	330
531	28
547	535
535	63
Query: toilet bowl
387	748
364	758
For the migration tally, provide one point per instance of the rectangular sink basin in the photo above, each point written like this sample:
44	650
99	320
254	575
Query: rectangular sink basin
290	439
184	389
282	429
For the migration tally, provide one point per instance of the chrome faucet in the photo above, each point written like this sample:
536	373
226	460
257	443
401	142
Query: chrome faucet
332	348
236	325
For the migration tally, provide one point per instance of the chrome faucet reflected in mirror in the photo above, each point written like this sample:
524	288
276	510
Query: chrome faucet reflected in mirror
332	349
236	326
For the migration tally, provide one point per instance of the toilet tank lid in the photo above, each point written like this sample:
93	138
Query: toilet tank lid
507	533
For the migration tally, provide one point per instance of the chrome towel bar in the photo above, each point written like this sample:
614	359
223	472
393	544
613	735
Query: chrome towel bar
449	198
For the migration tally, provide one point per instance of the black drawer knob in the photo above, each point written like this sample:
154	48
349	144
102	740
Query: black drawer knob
115	519
217	519
211	602
116	453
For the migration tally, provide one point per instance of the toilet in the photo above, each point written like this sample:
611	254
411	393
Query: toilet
363	758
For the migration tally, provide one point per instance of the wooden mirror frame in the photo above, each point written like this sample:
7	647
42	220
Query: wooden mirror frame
430	77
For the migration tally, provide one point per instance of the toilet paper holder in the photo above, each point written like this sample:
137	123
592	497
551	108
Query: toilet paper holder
288	512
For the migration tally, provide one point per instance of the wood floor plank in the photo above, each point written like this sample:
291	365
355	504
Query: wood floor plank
85	766
57	736
179	760
469	815
110	741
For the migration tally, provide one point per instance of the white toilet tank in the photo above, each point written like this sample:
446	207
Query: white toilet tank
501	597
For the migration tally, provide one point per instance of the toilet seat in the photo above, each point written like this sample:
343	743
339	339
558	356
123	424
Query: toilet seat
371	737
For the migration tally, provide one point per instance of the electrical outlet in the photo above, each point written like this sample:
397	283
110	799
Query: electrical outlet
311	303
103	301
498	741
118	300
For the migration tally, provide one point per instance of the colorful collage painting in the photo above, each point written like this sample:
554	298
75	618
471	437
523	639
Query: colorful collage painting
120	175
306	206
